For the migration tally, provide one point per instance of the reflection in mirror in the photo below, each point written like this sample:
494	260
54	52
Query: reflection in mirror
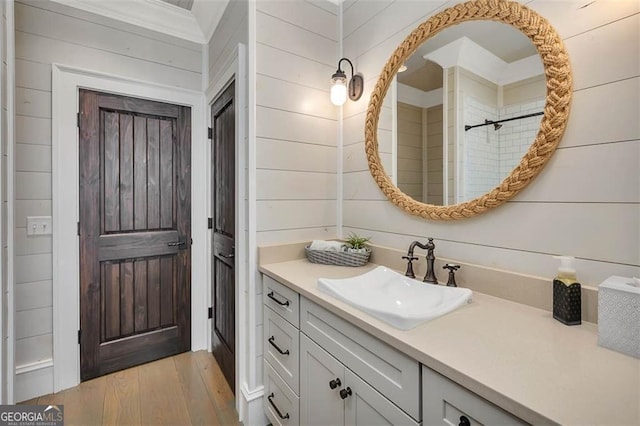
483	75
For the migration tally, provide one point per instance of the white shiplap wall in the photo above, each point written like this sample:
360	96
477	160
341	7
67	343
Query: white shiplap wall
296	124
232	29
296	128
585	203
68	37
6	114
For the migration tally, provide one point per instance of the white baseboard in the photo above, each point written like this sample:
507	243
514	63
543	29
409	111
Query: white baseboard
33	380
250	407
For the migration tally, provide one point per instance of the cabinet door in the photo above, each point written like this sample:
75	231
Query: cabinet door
391	372
367	407
319	403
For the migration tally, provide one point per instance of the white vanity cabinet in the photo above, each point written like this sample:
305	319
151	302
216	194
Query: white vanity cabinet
447	403
321	370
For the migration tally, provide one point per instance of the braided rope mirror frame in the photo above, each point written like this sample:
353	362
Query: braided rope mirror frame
556	110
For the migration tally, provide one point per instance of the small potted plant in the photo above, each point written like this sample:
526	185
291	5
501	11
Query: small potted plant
356	243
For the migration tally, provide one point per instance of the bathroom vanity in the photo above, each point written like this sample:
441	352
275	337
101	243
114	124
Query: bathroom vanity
489	362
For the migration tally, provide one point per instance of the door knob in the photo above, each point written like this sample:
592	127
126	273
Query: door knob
178	244
335	383
229	255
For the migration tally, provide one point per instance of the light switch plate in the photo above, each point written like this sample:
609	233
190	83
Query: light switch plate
39	225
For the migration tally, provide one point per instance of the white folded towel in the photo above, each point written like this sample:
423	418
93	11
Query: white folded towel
326	245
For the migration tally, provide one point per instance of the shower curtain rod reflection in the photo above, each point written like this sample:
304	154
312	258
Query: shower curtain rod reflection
497	125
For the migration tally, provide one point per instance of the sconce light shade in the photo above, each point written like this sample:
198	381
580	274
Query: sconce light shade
339	85
338	89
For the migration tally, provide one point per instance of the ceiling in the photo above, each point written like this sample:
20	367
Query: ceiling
192	20
502	40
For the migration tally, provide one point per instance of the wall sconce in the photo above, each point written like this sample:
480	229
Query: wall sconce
339	85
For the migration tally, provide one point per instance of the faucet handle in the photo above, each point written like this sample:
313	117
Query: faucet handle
451	282
410	259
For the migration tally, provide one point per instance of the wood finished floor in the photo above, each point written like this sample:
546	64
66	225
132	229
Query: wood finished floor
186	389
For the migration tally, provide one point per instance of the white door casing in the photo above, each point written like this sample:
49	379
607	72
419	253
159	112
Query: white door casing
66	307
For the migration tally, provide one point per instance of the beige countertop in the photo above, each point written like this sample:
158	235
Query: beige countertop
516	356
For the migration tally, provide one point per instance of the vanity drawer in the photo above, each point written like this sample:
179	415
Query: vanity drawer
389	371
446	403
282	348
281	404
281	299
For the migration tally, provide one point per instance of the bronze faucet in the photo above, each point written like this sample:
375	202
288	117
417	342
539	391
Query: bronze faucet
430	277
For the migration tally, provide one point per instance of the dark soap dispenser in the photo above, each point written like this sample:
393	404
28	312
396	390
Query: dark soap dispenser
567	303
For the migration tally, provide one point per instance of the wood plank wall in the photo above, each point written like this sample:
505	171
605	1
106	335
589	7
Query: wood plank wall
48	33
586	202
410	141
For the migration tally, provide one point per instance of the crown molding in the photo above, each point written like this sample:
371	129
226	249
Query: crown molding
196	25
208	14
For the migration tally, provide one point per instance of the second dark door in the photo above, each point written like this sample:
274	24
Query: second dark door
223	287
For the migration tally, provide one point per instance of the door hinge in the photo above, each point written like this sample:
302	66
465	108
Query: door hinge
78	120
78	229
209	133
210	312
79	336
209	223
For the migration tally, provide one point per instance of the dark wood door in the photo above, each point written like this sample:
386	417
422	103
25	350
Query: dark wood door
135	231
223	287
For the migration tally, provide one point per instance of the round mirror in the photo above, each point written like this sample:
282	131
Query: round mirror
468	109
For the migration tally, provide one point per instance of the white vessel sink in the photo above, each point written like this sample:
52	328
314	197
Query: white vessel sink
395	299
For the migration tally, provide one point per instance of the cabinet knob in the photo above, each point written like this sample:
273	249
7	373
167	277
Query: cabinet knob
335	383
464	421
344	393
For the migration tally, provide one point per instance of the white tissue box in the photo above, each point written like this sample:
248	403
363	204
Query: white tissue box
619	315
